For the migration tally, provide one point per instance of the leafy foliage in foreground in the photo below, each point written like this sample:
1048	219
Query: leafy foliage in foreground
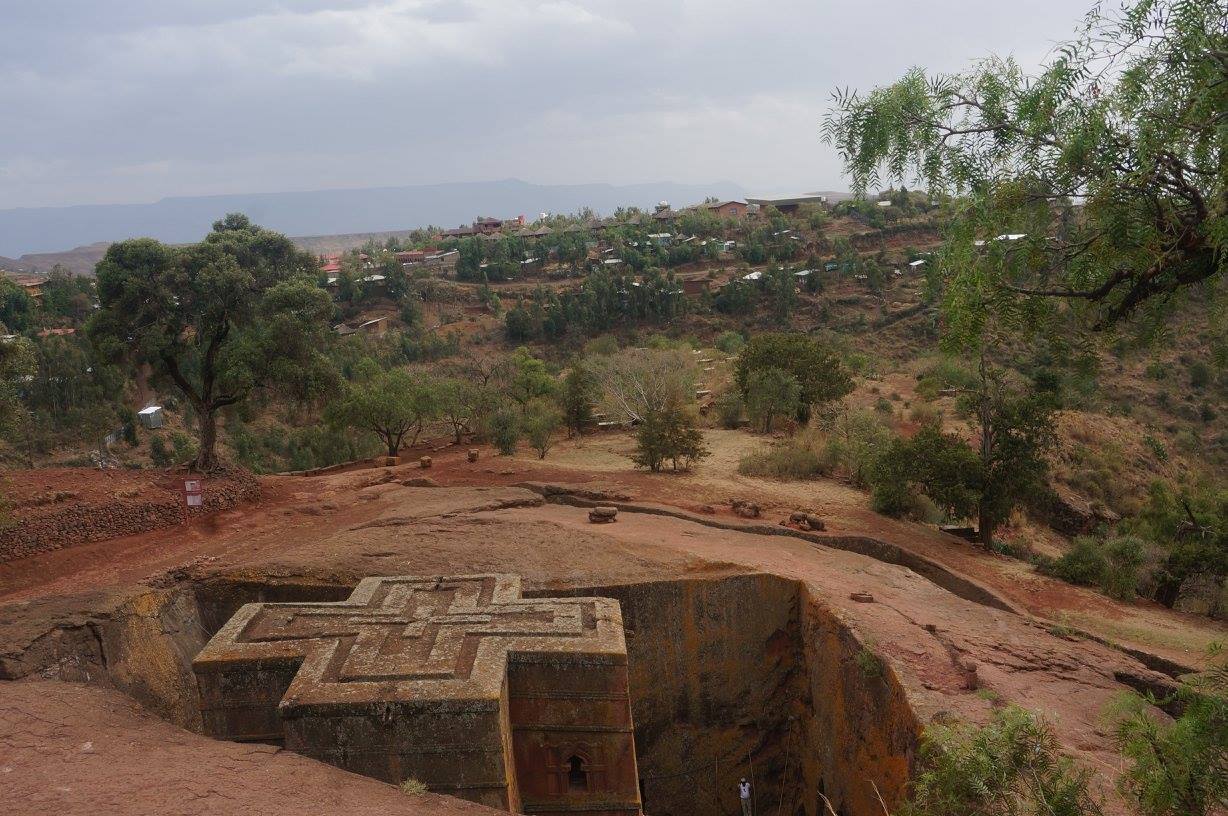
1127	119
1179	768
1010	767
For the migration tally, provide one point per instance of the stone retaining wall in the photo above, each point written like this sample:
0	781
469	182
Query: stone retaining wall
82	522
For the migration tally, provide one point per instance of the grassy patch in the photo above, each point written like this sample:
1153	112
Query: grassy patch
789	462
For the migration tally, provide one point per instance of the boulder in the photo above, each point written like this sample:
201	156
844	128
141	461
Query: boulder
472	455
424	462
807	521
971	681
812	522
602	515
1072	514
745	509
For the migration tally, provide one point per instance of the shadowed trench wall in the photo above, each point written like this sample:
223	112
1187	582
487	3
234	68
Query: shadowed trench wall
750	676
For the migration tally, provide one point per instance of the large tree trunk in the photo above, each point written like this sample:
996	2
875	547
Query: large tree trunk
206	458
985	527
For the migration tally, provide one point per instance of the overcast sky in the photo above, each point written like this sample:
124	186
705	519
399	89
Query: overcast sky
134	100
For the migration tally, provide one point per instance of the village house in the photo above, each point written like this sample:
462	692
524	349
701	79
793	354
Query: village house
485	225
727	209
32	285
694	285
789	205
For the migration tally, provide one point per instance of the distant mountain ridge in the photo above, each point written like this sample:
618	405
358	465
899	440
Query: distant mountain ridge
27	232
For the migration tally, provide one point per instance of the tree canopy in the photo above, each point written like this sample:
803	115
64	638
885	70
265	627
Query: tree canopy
1101	181
822	376
392	405
221	319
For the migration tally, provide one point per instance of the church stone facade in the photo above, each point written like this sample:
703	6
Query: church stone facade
458	682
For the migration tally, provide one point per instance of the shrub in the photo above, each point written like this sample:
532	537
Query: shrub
505	430
413	787
729	410
789	462
1156	447
1010	766
1177	768
856	441
540	421
869	664
668	435
924	414
946	373
1200	375
730	342
939	466
184	446
159	454
1083	563
1123	559
603	345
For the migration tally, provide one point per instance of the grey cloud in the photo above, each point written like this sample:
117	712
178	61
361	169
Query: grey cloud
132	100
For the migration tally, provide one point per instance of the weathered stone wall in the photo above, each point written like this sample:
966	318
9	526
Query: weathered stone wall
751	676
715	686
860	733
42	529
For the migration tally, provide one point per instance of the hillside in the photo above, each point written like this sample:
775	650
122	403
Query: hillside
323	212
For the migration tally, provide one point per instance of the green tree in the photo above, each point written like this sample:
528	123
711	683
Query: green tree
822	376
505	429
392	405
938	465
461	404
1110	163
541	419
730	342
16	307
528	378
729	408
1015	432
771	392
17	360
576	399
1192	526
237	313
1179	768
67	295
668	435
781	285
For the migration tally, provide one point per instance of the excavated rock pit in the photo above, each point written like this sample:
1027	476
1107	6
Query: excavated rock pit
735	676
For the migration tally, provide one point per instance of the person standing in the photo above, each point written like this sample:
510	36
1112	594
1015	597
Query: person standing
744	795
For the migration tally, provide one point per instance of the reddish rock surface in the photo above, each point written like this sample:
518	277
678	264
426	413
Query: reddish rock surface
72	750
108	612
